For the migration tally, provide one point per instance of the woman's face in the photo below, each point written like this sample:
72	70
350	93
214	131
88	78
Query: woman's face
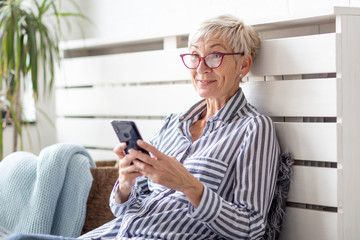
220	83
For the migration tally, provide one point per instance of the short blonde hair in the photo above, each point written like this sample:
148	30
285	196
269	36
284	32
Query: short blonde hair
241	38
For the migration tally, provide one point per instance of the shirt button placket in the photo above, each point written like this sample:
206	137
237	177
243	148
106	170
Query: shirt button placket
186	153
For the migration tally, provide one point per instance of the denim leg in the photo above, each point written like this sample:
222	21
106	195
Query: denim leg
22	236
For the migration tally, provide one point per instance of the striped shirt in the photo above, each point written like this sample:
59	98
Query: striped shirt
236	159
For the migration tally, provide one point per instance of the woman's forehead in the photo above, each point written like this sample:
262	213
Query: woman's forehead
210	43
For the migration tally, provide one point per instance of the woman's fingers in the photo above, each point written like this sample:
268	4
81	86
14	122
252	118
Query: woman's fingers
127	162
124	159
167	171
143	157
128	173
150	148
119	150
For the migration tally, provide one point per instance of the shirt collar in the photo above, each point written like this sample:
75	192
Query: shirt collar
226	113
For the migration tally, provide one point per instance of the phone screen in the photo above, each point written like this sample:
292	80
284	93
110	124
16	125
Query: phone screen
127	131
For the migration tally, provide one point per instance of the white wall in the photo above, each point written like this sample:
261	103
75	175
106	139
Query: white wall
124	18
131	18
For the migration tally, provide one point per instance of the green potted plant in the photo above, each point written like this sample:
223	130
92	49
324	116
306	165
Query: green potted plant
30	31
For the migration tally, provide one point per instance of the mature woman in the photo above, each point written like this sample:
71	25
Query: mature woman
212	169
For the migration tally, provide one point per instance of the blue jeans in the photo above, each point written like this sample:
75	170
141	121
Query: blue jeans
22	236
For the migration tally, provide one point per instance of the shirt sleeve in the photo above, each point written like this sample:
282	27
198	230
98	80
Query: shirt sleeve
140	188
254	185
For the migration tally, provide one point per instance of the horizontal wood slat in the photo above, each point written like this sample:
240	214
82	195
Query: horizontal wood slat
300	224
313	97
152	100
298	55
139	67
102	155
316	97
314	185
308	141
99	132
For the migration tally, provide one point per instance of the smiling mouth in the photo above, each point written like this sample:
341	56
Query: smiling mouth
206	81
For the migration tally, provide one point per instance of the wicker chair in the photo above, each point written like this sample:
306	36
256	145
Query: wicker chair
97	210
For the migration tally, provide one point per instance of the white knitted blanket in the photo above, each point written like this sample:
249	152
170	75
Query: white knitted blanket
45	194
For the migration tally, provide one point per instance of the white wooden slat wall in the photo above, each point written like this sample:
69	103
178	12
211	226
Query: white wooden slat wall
314	189
137	67
292	59
144	100
298	88
312	98
301	224
314	185
309	141
348	51
77	129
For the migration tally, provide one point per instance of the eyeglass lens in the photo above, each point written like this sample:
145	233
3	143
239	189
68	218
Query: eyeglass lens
212	60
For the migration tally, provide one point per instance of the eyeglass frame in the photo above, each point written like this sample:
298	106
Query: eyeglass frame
203	58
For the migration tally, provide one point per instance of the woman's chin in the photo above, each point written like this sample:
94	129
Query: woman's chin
204	93
206	90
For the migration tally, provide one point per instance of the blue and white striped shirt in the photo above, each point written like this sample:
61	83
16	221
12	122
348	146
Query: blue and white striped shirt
236	159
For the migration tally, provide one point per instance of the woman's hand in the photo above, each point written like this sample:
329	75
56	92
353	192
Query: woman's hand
167	171
127	173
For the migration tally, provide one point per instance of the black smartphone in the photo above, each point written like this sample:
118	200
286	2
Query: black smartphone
127	132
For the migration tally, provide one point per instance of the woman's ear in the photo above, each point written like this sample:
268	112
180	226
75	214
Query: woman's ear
245	64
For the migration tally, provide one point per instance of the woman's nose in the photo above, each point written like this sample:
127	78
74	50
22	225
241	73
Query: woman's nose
202	68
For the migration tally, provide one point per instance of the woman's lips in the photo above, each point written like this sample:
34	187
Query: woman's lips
206	81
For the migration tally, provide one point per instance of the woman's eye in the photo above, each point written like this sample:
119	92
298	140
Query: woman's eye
216	55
